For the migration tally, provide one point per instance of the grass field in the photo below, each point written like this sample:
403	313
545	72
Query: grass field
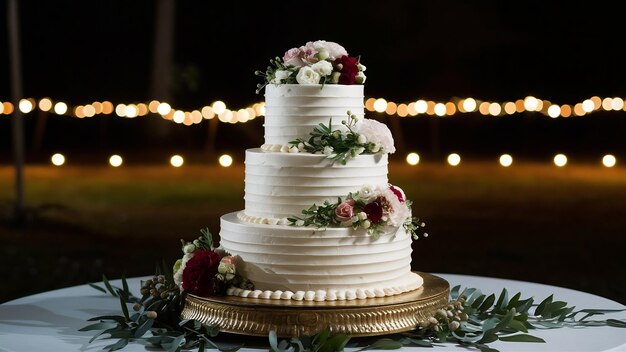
565	227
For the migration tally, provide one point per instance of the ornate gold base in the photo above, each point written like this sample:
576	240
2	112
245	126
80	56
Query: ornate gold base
369	317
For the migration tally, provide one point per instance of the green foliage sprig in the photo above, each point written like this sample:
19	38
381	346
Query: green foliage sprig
269	74
335	144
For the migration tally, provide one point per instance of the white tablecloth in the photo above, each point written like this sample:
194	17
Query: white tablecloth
50	321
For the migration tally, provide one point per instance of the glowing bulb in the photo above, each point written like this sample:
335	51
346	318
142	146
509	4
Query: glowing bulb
494	109
510	108
120	110
454	159
617	103
607	104
177	161
469	104
588	105
412	158
506	160
60	108
421	106
208	113
531	103
440	109
219	107
554	111
609	160
25	106
560	160
45	104
225	160
58	159
164	109
179	116
131	111
380	105
115	160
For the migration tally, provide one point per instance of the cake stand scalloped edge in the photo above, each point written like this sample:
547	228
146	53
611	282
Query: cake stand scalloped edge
368	317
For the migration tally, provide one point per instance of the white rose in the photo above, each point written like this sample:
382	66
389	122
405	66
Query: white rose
367	193
377	133
306	75
323	68
362	139
334	50
280	75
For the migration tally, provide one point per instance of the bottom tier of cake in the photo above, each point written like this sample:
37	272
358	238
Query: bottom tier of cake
303	263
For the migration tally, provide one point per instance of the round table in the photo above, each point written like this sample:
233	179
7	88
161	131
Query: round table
50	321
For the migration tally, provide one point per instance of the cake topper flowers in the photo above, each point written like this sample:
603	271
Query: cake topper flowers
318	62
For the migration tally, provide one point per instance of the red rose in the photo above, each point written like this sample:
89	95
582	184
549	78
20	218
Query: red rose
349	69
199	273
374	212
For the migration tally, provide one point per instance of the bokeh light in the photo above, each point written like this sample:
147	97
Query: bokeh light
454	159
560	160
609	160
506	160
225	160
58	159
412	158
115	160
177	161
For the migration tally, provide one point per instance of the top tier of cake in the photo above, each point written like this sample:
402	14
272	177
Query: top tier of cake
292	111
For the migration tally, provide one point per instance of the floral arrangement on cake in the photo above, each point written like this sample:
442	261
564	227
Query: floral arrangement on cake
372	208
204	270
318	62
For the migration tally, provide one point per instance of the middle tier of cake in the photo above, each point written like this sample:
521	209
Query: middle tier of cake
281	185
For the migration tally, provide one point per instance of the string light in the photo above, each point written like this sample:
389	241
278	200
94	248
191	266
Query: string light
57	159
225	160
560	160
506	160
177	161
412	158
609	160
115	160
454	159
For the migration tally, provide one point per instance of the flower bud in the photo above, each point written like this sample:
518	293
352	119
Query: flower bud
151	314
366	224
189	248
362	139
433	321
137	307
453	326
362	215
376	148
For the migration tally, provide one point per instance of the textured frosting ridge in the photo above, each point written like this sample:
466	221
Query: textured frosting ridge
280	185
303	263
293	110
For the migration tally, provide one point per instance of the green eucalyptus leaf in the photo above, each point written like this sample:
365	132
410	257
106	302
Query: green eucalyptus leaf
99	326
521	338
542	305
409	341
174	344
484	348
121	343
108	286
502	300
117	318
384	344
124	308
487	303
273	340
97	287
518	325
144	327
616	323
514	302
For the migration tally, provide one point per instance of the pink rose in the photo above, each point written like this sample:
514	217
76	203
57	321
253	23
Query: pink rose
230	259
345	210
293	57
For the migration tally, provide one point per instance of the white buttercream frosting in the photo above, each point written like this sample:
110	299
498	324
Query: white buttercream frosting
292	111
281	185
303	263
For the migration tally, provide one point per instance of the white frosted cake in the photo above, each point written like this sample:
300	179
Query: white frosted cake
343	246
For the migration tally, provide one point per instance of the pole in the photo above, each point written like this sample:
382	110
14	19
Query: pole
16	94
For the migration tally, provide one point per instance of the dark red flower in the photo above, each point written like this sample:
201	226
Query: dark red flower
349	69
398	193
374	212
199	273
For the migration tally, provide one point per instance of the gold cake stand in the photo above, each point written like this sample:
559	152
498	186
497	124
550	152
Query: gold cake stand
369	317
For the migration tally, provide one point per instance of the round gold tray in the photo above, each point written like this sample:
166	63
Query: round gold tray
368	317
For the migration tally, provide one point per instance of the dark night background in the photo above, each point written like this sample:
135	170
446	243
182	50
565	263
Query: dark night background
564	52
531	222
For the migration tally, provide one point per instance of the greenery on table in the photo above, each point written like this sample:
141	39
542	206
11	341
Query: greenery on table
471	319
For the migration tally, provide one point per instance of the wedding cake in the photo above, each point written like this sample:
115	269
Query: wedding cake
321	222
